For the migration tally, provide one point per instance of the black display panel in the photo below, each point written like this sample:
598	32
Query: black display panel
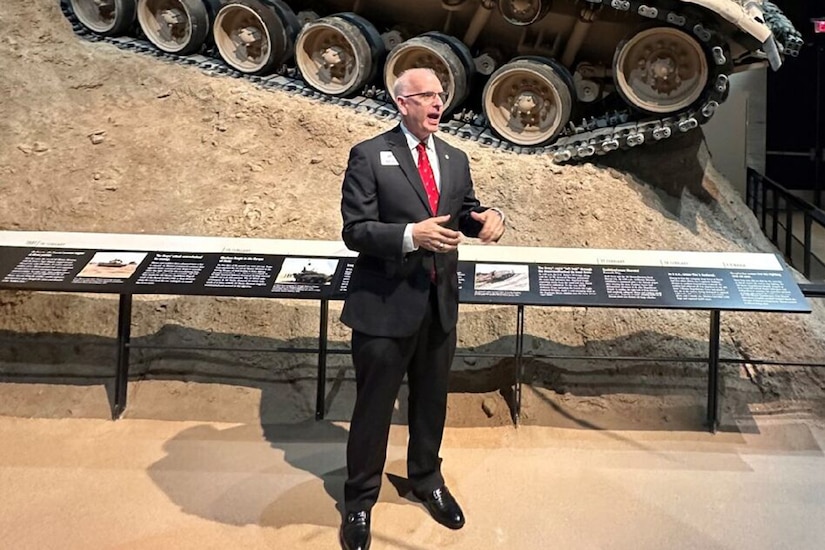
608	282
184	273
679	287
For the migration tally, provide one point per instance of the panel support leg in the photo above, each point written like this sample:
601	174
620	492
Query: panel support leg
519	362
713	372
321	388
124	329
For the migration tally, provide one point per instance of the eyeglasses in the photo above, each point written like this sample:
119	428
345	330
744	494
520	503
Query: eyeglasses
429	97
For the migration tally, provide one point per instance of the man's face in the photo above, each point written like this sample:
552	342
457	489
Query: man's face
421	106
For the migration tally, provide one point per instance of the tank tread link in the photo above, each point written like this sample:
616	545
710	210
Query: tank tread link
567	78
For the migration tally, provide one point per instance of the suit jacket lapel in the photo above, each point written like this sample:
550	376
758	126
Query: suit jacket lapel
399	147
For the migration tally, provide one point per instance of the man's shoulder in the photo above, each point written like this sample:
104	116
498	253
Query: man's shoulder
376	141
444	146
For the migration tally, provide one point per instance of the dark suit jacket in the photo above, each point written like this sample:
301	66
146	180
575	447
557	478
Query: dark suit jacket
388	290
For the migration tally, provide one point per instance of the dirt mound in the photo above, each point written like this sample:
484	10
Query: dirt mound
95	139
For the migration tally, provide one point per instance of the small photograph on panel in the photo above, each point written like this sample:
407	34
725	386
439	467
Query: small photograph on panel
511	277
117	265
317	271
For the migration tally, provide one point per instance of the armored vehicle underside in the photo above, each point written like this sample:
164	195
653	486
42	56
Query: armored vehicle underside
570	78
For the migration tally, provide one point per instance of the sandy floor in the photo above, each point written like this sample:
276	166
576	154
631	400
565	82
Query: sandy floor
142	484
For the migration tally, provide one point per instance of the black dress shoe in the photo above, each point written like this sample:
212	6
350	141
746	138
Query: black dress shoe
355	531
443	507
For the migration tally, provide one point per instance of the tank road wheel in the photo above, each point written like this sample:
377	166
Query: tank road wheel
254	37
660	70
339	54
105	17
174	26
528	101
447	56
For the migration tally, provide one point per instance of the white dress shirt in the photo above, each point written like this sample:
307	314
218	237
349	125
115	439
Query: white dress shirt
412	142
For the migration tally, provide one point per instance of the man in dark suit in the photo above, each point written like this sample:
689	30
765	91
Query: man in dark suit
407	198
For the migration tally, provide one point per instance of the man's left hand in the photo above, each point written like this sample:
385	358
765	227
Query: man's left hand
492	225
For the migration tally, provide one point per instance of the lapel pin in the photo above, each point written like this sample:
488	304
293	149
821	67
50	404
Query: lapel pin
447	157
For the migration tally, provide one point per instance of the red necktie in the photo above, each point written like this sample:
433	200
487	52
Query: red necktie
427	177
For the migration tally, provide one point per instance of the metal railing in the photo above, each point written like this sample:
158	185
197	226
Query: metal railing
777	208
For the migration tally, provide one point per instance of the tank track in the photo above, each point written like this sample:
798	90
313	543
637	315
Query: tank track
782	28
600	135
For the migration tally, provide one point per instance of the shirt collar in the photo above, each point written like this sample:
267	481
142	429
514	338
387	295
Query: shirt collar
412	141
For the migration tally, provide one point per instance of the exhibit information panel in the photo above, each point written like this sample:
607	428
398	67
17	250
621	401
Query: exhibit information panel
154	264
138	264
632	278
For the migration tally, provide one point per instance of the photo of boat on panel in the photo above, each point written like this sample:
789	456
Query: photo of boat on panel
318	271
510	277
117	265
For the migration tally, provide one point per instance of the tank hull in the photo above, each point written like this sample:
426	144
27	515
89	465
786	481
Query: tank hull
570	78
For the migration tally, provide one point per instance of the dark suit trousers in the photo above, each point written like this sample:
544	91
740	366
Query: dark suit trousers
380	364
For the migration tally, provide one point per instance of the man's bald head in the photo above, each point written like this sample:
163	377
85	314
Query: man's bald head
418	93
411	79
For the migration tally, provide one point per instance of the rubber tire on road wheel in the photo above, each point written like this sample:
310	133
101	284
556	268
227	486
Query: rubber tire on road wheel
275	16
541	77
121	24
198	24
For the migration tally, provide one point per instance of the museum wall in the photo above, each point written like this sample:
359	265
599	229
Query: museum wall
736	133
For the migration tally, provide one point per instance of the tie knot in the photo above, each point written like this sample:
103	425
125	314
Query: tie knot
421	147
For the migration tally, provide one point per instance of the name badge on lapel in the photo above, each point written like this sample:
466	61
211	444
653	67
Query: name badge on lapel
388	159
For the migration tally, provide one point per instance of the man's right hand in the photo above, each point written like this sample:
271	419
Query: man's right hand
432	235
